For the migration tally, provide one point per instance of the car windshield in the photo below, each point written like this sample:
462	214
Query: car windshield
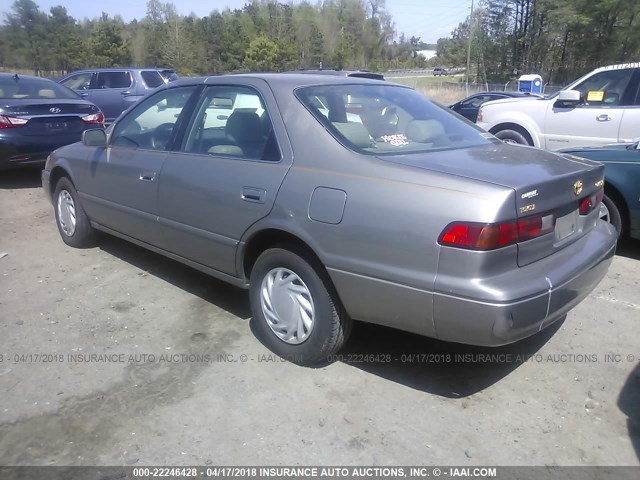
388	119
16	87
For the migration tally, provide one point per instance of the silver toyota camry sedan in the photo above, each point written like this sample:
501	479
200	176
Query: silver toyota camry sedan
333	199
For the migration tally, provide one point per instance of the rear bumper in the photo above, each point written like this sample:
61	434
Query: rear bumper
21	151
570	276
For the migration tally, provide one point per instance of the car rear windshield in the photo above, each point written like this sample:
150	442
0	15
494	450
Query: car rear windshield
16	87
388	119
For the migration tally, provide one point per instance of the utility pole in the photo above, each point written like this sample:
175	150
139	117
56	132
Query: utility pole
469	46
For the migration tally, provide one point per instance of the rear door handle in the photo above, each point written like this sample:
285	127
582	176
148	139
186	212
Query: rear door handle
255	195
147	176
603	118
126	92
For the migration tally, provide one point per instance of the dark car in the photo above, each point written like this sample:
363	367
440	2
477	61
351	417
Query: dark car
439	71
37	116
266	182
620	205
116	89
468	107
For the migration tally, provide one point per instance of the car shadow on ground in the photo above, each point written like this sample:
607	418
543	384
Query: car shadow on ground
441	368
629	248
629	404
20	178
221	294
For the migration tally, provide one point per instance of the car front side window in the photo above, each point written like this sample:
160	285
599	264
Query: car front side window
81	81
150	125
605	88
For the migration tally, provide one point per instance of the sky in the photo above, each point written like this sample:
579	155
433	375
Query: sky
427	19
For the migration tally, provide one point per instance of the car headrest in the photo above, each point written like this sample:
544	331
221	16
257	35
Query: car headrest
245	127
424	131
226	150
46	93
356	133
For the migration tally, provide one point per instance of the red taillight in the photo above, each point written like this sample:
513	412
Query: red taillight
483	236
97	118
588	204
12	122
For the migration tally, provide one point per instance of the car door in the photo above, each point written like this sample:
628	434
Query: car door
227	174
122	179
110	92
594	121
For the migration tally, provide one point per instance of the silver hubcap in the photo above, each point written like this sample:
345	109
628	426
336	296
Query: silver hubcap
510	141
66	213
604	213
287	305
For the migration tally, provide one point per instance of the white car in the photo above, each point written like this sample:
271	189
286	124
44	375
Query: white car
600	108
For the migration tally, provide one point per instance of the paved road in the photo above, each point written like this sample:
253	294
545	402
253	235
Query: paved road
114	355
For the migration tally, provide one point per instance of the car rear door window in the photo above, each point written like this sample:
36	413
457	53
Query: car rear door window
114	80
150	125
152	78
232	121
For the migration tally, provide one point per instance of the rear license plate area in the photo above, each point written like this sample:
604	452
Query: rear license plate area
566	225
56	126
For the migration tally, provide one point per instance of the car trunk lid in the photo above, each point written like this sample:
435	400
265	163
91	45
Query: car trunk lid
50	117
544	183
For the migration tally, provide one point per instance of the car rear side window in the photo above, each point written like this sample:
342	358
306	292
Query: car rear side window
152	78
114	80
388	120
233	121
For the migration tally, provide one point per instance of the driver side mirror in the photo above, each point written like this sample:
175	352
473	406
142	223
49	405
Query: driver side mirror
95	137
567	98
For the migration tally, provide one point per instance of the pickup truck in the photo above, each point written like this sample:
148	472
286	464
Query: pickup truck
599	108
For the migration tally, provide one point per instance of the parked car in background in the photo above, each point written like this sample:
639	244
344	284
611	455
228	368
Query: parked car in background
325	220
440	71
37	116
114	90
468	107
600	108
621	203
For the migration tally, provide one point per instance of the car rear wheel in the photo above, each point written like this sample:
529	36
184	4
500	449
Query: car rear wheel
73	223
513	137
296	312
610	213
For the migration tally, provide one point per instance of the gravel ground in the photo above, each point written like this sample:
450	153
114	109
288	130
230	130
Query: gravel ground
117	356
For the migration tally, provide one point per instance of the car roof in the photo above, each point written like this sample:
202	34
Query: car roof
23	77
291	80
120	69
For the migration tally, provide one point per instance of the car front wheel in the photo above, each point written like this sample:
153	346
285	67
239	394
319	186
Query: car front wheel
513	137
73	223
296	312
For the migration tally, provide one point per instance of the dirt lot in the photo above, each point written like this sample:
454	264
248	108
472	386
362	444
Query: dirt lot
181	379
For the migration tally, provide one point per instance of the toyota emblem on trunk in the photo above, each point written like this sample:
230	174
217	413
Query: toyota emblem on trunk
577	187
55	110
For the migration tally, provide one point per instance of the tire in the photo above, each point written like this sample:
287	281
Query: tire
512	136
68	210
303	283
611	214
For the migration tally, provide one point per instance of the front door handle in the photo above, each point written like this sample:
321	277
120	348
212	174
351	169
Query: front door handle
126	92
255	195
83	95
147	176
603	118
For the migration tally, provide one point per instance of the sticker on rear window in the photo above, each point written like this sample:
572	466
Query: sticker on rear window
398	140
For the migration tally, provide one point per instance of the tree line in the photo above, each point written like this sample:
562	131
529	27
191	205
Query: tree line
560	39
264	35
